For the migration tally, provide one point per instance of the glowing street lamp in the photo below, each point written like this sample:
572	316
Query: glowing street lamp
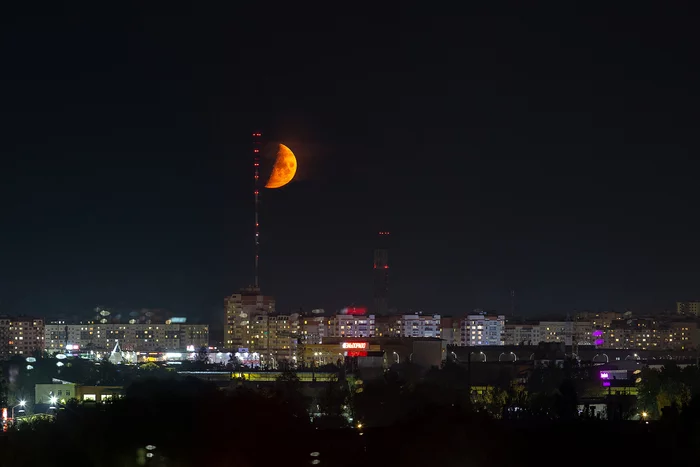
645	415
21	404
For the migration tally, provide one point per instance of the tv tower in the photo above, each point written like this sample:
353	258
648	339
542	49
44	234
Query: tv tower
257	137
381	275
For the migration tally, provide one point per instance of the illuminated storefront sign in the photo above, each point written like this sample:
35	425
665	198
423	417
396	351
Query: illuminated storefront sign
355	345
356	353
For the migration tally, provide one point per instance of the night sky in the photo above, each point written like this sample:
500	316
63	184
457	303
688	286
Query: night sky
544	151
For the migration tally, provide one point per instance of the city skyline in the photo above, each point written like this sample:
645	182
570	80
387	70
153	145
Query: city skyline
556	164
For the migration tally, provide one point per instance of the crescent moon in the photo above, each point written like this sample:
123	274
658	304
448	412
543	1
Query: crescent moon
284	169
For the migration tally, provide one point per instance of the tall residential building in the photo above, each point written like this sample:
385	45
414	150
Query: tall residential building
352	326
686	335
244	312
688	308
483	329
253	326
312	329
132	337
282	337
419	326
4	341
21	336
387	326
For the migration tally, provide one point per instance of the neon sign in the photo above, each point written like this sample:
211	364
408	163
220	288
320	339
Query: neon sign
354	310
604	375
356	353
355	345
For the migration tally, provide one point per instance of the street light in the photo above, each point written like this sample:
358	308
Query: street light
21	404
645	415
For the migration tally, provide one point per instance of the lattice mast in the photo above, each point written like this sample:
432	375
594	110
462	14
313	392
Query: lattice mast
257	147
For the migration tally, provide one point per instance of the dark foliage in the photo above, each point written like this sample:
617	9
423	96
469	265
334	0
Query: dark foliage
190	423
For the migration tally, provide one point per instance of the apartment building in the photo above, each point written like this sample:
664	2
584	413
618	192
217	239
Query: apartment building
522	334
131	337
557	331
243	311
21	336
418	325
483	329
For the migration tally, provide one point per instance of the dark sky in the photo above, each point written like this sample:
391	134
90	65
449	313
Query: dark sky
553	152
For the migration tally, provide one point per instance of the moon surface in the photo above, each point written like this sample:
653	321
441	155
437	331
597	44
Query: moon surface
284	169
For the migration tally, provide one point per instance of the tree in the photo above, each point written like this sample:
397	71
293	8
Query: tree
202	356
3	392
566	404
332	405
288	390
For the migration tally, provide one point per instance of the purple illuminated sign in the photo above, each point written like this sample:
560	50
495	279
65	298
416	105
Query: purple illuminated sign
606	384
597	333
604	375
599	342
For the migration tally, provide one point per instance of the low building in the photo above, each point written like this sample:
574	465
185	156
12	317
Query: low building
424	352
98	393
61	390
64	391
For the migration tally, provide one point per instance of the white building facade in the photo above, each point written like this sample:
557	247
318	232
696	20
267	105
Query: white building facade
419	326
483	330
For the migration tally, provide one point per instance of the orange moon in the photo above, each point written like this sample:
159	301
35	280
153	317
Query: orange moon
284	169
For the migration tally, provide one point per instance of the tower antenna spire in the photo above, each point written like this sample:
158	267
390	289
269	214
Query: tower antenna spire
257	137
381	274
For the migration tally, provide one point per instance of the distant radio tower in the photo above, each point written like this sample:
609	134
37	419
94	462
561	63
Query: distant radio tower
257	136
381	275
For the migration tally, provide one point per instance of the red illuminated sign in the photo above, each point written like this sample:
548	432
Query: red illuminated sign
357	353
356	310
